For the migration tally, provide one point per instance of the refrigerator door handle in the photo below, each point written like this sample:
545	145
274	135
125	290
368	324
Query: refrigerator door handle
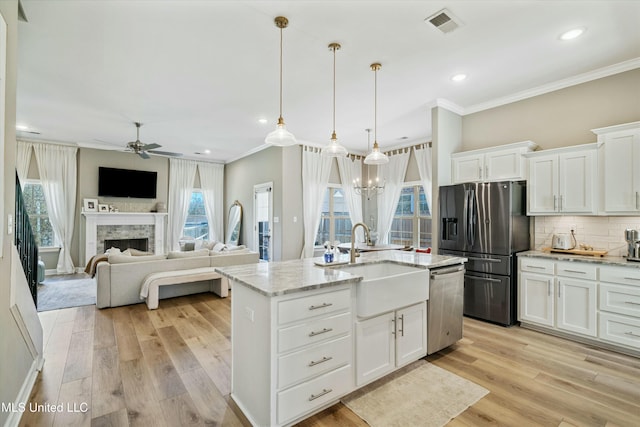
471	215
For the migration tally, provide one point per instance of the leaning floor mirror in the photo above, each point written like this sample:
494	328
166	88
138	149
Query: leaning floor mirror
235	221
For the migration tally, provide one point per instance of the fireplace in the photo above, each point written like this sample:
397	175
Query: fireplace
102	226
122	244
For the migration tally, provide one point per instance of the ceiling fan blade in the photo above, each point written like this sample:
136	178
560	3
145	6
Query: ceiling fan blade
143	154
166	153
150	146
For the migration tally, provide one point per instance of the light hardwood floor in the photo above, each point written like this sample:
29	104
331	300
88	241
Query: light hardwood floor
170	367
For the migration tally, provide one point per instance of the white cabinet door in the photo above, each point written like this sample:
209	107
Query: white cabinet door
467	168
375	347
577	182
622	171
537	303
576	310
411	333
504	165
543	185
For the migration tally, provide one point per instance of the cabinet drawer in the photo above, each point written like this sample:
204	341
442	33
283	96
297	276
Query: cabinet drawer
313	361
623	275
579	270
304	308
620	299
620	329
313	331
536	265
307	396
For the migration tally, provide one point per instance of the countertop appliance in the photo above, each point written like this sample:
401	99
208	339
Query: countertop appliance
633	244
487	224
561	241
444	307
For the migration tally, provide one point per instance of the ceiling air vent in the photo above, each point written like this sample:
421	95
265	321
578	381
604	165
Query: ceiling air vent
443	21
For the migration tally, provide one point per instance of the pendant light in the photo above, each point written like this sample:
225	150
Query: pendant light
334	149
376	157
281	137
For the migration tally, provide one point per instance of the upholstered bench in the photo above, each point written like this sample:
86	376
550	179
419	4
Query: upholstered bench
152	282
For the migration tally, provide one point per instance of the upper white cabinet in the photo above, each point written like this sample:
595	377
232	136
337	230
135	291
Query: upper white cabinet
563	181
502	163
620	167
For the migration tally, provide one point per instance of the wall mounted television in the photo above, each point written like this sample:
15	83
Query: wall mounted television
114	182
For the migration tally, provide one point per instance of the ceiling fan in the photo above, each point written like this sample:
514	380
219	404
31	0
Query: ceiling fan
142	149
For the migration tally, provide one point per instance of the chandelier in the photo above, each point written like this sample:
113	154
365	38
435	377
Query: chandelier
373	187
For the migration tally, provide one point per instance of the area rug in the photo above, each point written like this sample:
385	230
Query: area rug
55	294
420	394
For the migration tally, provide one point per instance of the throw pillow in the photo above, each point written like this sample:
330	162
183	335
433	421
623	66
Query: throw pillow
218	247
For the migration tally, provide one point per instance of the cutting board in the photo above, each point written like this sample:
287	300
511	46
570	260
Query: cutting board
594	252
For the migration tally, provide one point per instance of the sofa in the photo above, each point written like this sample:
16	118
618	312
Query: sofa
120	278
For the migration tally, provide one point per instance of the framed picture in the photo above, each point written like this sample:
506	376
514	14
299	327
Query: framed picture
103	208
90	205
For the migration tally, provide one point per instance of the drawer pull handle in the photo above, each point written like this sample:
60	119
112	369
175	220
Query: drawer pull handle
323	331
323	305
322	393
632	278
475	258
632	334
317	362
576	271
536	266
632	303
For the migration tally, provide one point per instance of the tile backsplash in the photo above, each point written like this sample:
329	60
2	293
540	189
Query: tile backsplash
601	232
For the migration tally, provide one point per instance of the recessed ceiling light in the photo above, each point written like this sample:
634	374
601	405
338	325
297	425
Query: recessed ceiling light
22	127
207	151
572	34
459	77
262	121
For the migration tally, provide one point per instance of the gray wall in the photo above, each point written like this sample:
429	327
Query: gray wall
560	118
14	353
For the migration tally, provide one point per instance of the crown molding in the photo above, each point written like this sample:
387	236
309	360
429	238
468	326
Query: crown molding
447	105
557	85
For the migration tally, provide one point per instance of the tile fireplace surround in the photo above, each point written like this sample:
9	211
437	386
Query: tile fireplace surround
151	222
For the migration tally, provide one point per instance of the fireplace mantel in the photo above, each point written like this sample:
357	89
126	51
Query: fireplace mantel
94	219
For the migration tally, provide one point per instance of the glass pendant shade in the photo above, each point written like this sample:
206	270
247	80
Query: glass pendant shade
334	149
376	157
280	137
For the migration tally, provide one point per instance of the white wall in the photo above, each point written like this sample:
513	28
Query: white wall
17	369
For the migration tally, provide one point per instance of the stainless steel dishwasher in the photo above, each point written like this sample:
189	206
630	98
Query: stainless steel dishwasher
444	307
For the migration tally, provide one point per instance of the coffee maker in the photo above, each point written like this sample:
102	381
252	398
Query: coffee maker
633	244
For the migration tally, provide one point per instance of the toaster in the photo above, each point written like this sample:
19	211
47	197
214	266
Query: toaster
561	241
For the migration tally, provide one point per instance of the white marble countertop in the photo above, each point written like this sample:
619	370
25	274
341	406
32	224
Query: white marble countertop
606	260
279	278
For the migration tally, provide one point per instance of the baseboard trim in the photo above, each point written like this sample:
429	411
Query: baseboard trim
13	420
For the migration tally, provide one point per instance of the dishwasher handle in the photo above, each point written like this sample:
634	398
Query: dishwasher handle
441	272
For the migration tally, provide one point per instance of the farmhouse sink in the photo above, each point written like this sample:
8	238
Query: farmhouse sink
387	286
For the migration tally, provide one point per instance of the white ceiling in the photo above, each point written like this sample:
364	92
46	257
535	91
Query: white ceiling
199	74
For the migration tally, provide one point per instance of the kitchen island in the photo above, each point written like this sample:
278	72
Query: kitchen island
301	339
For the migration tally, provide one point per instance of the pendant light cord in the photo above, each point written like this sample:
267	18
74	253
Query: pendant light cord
375	106
334	90
280	73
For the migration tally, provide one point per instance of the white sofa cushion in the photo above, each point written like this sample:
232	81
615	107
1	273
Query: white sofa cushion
188	254
122	259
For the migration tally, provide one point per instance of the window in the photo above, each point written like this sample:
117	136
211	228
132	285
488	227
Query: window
197	225
38	216
335	223
411	224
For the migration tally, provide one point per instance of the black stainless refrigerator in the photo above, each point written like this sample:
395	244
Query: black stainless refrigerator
486	223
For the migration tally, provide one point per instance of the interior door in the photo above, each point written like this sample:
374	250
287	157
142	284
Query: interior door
263	220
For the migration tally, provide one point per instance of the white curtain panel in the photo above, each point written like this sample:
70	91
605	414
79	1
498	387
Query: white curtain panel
350	169
315	176
393	175
23	160
57	166
212	185
424	159
181	176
